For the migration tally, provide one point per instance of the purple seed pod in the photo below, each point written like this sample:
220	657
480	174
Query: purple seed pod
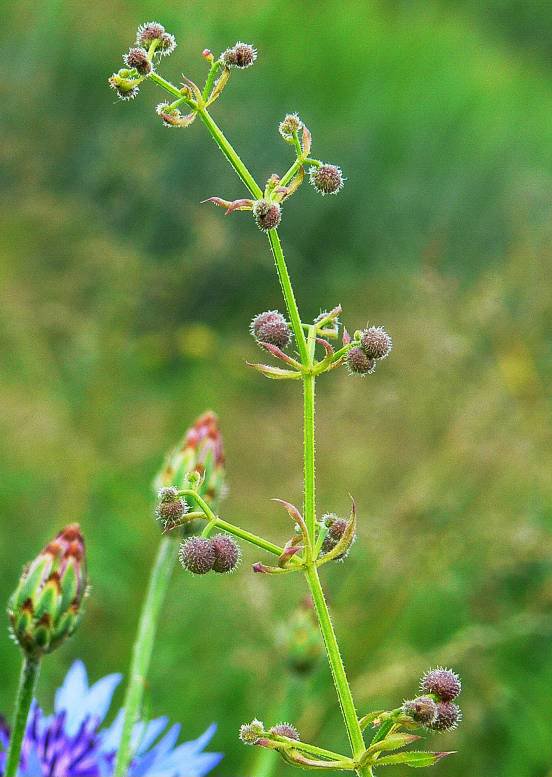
149	32
358	363
250	733
448	716
289	125
285	730
227	553
267	214
422	709
271	327
167	44
197	555
241	55
444	683
375	342
170	508
336	529
137	57
326	179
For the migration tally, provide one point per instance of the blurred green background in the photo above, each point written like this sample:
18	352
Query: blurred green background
124	314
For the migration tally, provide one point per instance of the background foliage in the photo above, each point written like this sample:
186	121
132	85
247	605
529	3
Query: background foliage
125	306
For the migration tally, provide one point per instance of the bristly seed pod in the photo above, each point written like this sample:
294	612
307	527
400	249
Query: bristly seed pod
358	363
47	605
124	84
422	709
285	730
227	553
444	683
267	214
197	555
149	32
336	529
167	44
137	58
375	342
170	508
271	327
250	733
289	125
448	716
326	179
241	55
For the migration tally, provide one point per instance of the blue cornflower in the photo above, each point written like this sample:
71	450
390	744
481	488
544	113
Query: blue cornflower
72	743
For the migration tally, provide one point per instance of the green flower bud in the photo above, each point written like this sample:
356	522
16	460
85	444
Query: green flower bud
47	605
200	454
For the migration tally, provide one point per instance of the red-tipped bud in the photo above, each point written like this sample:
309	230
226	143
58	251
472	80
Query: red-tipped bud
358	363
285	730
271	327
290	125
207	54
267	214
375	342
250	733
326	179
200	453
227	553
47	605
444	683
240	56
448	716
197	555
422	709
137	58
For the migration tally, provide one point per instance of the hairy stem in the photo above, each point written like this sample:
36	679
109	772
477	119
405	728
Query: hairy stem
142	650
25	692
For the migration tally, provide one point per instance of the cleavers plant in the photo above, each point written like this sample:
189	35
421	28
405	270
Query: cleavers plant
190	486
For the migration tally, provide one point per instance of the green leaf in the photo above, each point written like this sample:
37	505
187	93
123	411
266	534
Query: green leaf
416	759
365	721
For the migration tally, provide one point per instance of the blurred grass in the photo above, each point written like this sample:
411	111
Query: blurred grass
124	315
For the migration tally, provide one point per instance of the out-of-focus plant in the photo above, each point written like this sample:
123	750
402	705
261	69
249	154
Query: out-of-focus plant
189	492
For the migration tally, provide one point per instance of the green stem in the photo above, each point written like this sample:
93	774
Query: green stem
27	684
164	84
341	683
211	78
309	454
230	153
143	647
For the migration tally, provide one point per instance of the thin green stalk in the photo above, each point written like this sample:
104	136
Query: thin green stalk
341	683
143	647
309	454
27	684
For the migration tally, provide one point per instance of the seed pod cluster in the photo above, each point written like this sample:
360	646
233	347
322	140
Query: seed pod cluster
374	344
436	709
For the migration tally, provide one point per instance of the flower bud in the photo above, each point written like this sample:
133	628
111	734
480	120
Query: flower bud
358	363
227	553
137	58
448	716
250	733
285	730
170	508
200	453
422	709
241	55
47	605
375	342
444	683
290	125
271	327
326	179
197	555
267	214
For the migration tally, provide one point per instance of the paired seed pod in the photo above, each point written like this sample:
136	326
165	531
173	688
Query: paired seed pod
271	327
200	555
441	714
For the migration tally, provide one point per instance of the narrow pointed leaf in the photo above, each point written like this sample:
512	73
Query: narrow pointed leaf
276	373
416	759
